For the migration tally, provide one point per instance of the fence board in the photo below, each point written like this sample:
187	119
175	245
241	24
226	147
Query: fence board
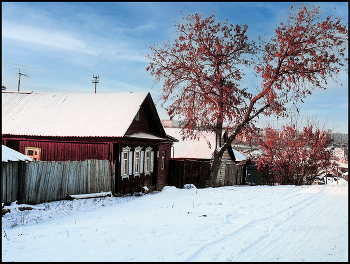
10	181
42	181
197	172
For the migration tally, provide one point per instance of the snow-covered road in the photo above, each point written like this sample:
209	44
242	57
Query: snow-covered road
237	223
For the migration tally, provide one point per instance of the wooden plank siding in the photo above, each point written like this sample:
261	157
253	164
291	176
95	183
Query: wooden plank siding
9	181
64	151
186	171
196	172
43	181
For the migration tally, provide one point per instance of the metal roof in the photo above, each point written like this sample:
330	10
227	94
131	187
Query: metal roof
65	115
9	154
144	136
197	149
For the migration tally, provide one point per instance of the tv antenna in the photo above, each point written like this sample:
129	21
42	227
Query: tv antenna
19	76
96	81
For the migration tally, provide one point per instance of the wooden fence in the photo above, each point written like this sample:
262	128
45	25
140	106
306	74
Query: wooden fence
188	172
197	172
43	181
9	183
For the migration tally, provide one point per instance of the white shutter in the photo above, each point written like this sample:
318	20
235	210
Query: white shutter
130	163
141	161
152	161
121	163
134	162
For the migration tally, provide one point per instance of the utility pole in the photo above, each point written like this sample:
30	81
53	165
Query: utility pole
19	76
96	81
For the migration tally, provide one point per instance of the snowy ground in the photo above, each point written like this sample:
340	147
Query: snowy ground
237	223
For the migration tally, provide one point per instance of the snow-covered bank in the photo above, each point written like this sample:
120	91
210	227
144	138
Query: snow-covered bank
240	223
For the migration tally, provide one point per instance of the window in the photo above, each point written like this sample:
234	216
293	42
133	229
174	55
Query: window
149	158
147	161
163	159
33	152
126	162
137	161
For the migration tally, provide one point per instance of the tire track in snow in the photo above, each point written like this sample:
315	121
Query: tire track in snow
207	251
297	208
306	232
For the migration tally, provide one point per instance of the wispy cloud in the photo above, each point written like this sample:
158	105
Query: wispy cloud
65	40
44	37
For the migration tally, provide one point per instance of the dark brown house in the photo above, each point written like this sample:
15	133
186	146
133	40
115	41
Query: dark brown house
123	128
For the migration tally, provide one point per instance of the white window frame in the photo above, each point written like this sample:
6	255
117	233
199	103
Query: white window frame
149	160
142	161
137	161
125	162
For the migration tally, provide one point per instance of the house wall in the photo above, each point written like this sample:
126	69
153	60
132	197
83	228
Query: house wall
56	150
163	174
154	180
142	124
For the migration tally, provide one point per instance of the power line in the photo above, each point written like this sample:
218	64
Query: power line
22	65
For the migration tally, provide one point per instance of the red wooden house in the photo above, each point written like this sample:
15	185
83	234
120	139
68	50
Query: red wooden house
123	128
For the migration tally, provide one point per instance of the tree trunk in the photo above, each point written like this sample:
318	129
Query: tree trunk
212	180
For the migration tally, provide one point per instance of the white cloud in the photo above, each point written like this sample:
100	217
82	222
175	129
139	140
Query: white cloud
44	36
65	40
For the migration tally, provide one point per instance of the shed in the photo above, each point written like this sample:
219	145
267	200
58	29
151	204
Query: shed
201	148
233	167
123	128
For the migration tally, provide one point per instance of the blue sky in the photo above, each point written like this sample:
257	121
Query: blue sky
60	46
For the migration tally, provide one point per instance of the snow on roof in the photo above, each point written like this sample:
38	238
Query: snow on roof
343	165
78	115
239	156
9	154
196	149
144	135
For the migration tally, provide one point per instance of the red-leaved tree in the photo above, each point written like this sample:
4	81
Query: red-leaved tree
201	71
294	157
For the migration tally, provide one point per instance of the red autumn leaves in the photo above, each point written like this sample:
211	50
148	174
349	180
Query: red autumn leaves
292	156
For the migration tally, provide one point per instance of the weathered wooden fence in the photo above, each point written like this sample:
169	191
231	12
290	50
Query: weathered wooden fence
188	172
197	172
43	181
9	183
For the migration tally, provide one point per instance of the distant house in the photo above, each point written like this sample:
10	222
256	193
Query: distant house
233	167
123	128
